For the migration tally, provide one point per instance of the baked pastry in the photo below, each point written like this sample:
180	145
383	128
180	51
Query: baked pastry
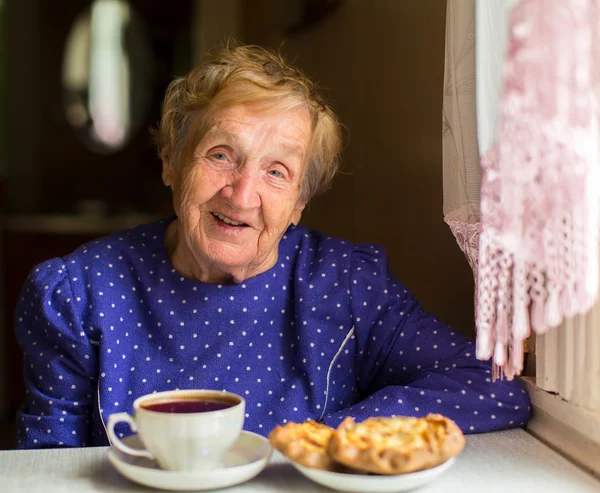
304	443
395	445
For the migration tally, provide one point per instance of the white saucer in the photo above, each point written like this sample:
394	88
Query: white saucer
359	483
246	459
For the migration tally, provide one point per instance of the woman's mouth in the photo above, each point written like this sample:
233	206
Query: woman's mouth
227	220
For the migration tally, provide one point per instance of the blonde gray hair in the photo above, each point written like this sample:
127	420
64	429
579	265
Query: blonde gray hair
252	75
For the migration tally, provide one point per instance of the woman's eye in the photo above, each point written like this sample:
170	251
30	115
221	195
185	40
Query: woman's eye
219	156
276	173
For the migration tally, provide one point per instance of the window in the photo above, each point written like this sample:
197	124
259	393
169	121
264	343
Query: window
566	389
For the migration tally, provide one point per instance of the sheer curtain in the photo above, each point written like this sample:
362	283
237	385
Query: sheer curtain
527	213
461	172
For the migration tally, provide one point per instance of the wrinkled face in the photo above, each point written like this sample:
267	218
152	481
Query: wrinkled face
240	189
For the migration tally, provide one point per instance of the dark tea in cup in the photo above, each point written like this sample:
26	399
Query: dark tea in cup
189	406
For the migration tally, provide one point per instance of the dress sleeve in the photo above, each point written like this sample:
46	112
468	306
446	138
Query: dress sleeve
61	361
410	363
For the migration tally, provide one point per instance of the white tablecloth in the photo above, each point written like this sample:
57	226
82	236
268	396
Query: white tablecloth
505	462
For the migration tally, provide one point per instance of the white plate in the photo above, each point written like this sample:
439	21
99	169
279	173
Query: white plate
246	459
360	483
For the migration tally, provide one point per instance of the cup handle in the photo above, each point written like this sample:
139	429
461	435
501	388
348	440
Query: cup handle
116	442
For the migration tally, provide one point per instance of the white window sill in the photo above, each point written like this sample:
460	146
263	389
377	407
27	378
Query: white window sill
571	430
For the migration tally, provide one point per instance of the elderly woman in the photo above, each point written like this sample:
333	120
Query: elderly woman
233	294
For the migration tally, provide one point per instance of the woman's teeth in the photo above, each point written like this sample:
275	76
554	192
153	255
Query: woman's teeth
226	220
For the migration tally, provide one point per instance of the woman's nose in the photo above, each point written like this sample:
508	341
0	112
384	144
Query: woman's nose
242	191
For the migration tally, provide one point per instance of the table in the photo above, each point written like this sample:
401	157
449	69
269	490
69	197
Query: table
505	462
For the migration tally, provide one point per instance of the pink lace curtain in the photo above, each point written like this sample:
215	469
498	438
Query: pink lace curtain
531	234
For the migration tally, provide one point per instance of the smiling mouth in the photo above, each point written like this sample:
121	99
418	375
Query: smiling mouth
226	220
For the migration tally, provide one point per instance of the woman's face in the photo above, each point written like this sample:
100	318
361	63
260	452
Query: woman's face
240	190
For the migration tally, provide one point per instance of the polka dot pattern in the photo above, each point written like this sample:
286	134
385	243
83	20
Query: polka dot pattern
326	333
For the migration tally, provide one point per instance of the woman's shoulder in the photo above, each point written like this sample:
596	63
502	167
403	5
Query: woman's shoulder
145	239
317	247
121	250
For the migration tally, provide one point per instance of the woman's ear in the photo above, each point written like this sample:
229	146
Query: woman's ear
297	214
167	169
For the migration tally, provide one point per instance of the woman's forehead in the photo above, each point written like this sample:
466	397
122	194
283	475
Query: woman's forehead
291	128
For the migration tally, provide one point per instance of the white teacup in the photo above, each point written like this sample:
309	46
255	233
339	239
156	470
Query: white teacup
183	430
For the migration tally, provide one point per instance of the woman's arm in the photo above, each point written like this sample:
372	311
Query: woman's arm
409	363
60	361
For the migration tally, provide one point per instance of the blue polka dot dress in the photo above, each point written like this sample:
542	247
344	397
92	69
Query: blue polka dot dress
327	332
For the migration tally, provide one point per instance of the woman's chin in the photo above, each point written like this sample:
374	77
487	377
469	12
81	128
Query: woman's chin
229	257
240	264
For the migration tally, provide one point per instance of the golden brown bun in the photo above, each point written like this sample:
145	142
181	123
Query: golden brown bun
304	443
395	445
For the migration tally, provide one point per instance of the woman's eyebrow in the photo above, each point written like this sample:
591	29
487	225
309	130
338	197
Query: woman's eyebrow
292	150
222	133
